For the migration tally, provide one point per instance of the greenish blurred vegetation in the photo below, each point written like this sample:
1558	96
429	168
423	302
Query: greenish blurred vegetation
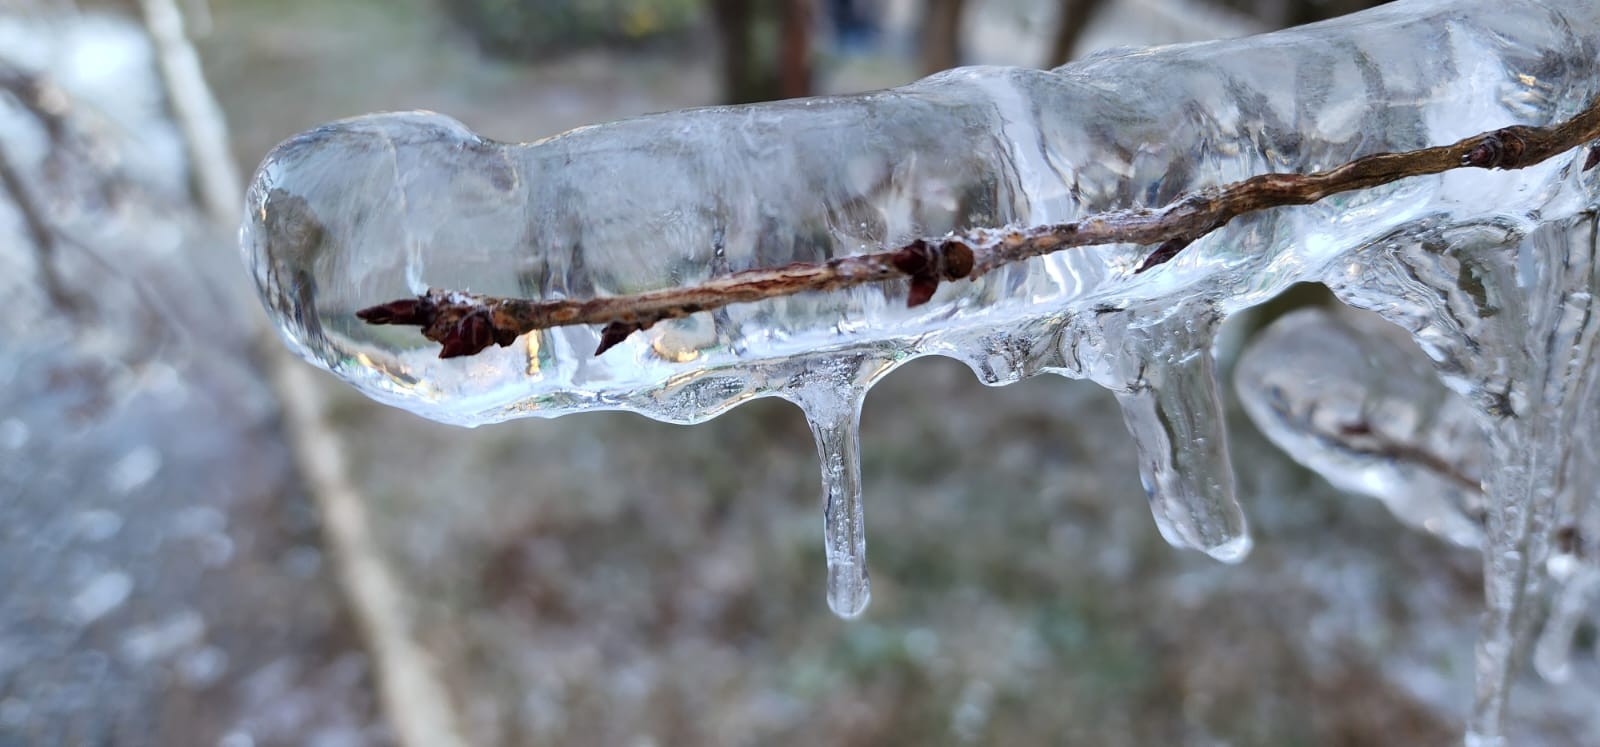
532	29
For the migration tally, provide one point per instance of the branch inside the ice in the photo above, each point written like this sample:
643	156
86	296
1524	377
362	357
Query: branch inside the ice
465	324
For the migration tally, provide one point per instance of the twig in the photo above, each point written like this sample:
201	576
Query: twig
466	324
41	233
211	164
1380	445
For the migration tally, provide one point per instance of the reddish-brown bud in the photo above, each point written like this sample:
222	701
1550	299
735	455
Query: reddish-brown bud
468	336
922	289
958	260
913	258
1501	149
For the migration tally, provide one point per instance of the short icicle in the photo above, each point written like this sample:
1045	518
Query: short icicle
1172	404
1516	544
834	414
1552	655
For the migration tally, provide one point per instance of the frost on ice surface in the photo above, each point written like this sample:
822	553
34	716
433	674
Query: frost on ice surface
1491	273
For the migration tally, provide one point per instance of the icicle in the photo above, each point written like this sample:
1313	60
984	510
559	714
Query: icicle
1172	404
1551	657
1519	492
1553	361
831	396
1507	315
838	435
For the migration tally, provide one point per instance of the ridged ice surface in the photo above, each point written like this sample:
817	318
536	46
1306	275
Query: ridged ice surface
1491	272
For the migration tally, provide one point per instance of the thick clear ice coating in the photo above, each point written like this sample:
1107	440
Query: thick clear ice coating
1491	272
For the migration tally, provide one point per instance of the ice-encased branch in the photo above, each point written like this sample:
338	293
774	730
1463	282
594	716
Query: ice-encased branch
1494	275
466	324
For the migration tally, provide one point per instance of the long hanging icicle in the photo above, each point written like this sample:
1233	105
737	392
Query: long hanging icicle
835	420
830	390
1549	353
1514	549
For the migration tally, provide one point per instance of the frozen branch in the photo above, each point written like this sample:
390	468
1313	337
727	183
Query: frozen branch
466	324
628	224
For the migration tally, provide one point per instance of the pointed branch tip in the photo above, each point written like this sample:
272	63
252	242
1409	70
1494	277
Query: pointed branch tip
614	333
1163	254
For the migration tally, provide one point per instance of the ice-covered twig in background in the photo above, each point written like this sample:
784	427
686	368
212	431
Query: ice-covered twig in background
466	324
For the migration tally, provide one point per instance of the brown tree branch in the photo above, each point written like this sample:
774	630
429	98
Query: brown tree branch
466	324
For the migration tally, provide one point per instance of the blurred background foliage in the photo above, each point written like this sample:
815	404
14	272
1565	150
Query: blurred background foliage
766	45
534	29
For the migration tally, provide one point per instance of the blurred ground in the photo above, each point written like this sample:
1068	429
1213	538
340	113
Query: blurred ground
162	577
604	579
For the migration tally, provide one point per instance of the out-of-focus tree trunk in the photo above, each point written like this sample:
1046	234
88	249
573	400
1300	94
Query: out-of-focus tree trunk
766	49
941	35
733	27
795	66
1074	18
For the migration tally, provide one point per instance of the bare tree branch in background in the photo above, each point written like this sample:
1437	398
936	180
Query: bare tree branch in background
794	67
216	176
40	232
